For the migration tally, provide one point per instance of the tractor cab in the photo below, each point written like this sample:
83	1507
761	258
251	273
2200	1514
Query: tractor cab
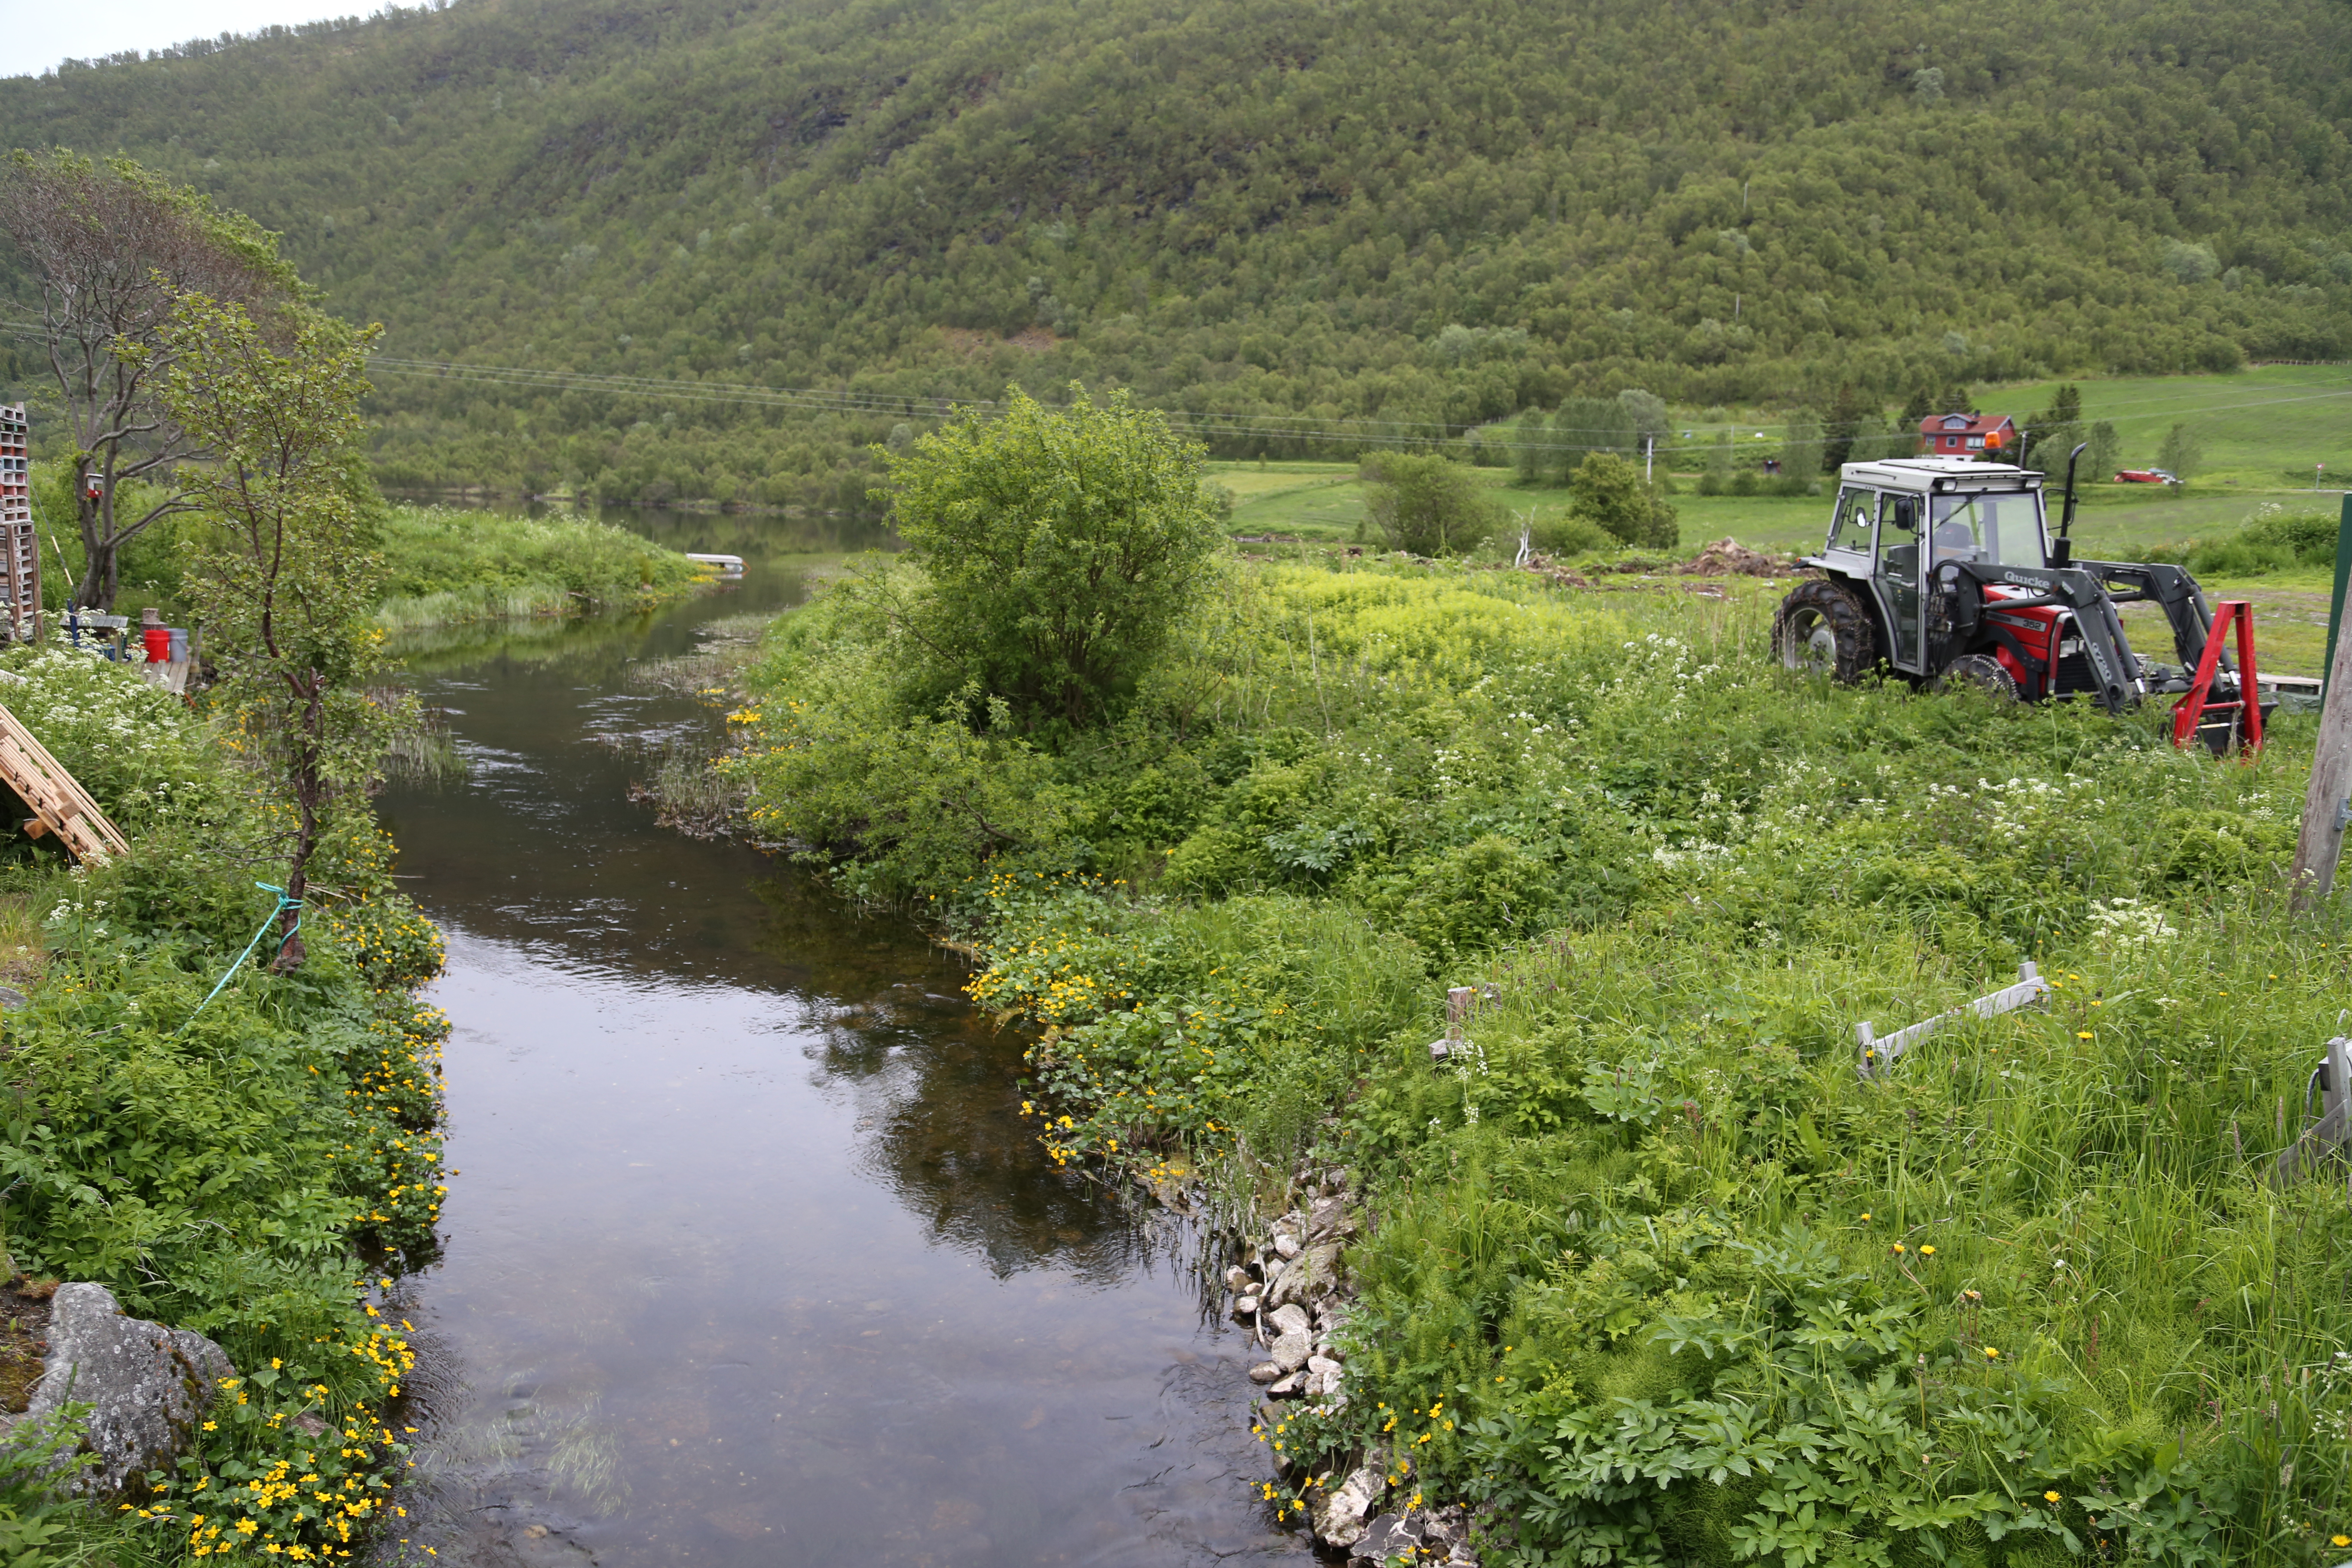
1900	521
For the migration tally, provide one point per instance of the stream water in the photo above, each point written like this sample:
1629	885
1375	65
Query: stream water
748	1258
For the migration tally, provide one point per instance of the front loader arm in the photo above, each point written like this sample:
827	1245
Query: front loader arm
2114	669
2171	590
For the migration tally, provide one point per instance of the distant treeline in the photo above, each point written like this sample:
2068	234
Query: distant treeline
1315	229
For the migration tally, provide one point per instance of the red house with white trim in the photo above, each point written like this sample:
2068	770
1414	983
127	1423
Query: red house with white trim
1966	435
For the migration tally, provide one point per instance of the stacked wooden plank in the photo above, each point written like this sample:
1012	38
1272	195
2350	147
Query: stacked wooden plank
20	554
58	803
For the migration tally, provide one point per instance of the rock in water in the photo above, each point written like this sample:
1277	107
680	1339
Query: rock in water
147	1385
1391	1535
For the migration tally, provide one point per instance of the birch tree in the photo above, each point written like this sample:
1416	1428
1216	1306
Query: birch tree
107	250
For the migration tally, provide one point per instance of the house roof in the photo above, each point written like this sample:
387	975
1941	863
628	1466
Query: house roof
1965	424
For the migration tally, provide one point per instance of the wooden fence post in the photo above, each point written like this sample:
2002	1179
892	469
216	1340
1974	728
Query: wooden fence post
1461	1001
2321	843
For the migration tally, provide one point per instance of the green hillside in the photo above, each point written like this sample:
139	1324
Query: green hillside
1308	222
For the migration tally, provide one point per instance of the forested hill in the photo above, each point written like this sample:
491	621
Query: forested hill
1337	210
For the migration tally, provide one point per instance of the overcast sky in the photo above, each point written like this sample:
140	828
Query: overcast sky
35	35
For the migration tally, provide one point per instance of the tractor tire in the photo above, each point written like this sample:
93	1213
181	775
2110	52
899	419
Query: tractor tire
1980	672
1823	629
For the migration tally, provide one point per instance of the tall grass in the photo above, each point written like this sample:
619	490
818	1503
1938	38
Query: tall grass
462	607
452	567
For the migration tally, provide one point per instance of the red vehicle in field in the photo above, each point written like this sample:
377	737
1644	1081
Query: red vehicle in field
2145	476
1944	570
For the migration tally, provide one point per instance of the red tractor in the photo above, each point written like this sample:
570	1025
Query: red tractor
1943	570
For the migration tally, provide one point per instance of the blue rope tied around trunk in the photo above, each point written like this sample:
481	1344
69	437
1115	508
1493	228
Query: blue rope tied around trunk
284	903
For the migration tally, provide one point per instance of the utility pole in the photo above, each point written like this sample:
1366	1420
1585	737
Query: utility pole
2327	802
1649	457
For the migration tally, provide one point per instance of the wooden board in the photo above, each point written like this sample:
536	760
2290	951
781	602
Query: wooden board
60	805
1878	1053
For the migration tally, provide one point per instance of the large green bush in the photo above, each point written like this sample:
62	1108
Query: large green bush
1058	549
1427	504
1612	495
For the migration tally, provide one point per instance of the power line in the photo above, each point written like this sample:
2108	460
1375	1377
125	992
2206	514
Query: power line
1344	428
845	401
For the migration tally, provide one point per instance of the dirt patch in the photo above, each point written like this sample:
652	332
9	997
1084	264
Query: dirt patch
23	1339
1727	557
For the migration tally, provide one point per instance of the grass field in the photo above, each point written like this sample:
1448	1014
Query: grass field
1325	501
2262	431
2261	428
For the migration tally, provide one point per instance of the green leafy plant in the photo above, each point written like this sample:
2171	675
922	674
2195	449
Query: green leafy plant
1426	504
1057	550
287	589
1612	495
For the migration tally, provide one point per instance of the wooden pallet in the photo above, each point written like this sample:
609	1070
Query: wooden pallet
59	805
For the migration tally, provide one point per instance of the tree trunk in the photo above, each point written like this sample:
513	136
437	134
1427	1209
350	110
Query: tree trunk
2320	845
309	790
96	515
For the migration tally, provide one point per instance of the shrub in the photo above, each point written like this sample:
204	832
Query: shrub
2309	535
1569	534
1059	546
1612	495
1425	504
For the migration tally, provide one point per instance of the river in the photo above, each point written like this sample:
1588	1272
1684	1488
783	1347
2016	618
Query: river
748	1257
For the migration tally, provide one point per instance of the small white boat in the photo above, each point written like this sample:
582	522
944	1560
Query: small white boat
728	566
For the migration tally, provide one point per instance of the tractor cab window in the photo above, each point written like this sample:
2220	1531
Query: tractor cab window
1850	529
1997	529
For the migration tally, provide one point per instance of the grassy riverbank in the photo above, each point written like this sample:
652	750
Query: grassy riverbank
444	565
449	566
1653	1269
254	1165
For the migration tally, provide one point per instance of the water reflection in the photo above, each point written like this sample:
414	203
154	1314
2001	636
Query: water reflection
751	1259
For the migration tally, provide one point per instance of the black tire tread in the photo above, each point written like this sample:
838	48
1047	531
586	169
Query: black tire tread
1849	618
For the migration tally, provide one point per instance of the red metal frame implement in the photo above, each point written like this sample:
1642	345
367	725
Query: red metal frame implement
2189	713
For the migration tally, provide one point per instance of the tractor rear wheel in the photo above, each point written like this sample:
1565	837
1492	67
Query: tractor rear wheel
1982	671
1822	628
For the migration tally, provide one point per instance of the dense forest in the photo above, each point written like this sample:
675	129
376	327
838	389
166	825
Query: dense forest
716	247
